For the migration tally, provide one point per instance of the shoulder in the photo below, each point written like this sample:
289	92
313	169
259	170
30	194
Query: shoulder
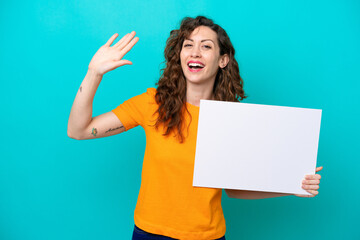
144	100
136	110
148	96
151	92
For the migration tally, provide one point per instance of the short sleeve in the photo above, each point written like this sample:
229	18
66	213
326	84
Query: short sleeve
133	111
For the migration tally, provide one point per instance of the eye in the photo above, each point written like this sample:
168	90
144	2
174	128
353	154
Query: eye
207	46
187	45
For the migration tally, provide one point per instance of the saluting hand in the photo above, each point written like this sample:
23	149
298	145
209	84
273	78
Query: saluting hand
311	184
108	57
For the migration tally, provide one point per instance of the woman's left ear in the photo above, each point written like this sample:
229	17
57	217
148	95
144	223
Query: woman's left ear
224	60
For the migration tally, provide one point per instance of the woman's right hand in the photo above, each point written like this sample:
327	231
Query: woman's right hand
108	57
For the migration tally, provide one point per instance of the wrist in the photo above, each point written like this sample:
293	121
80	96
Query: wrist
94	73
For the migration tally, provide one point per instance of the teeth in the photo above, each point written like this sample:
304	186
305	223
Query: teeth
195	65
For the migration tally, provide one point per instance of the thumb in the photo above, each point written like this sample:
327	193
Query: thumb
318	169
122	63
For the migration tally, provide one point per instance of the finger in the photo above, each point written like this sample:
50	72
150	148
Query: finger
310	187
303	195
313	177
126	40
128	47
121	40
111	40
313	192
309	182
319	169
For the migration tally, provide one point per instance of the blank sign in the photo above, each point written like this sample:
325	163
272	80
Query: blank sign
255	147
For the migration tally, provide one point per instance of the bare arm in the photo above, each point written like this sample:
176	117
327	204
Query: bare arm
81	124
243	194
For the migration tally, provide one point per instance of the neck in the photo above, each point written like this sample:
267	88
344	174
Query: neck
196	92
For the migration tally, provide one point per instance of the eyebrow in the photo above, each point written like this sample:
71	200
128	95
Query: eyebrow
201	40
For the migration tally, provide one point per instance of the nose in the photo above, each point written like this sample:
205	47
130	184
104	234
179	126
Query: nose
195	52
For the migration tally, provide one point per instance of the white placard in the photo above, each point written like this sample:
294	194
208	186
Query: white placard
255	147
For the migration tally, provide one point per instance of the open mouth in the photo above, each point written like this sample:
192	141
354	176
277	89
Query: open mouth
195	66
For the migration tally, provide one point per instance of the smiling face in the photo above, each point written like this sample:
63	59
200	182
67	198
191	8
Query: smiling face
200	56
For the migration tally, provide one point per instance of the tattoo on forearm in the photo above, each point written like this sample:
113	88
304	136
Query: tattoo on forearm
113	129
80	88
94	132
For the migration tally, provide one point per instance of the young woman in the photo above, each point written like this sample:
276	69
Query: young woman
200	64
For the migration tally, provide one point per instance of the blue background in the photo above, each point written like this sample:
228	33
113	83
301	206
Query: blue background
291	53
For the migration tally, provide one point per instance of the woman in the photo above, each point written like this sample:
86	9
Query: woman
200	64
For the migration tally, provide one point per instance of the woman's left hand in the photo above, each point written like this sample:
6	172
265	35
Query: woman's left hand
311	184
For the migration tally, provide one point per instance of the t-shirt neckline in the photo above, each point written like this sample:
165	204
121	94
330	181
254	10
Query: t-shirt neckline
191	105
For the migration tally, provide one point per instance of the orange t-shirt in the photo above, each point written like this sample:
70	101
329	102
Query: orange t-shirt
168	204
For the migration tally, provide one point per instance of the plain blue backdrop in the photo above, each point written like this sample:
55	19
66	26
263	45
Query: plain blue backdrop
291	53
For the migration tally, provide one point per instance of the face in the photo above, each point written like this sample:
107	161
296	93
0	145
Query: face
200	56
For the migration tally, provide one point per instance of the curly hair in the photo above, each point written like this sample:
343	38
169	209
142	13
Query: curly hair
171	90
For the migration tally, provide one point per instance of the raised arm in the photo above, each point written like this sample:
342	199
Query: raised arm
81	124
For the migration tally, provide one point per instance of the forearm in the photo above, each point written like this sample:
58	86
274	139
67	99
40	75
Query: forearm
243	194
81	111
